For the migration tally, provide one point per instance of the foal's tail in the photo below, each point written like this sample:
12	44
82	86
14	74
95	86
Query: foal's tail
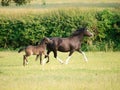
22	49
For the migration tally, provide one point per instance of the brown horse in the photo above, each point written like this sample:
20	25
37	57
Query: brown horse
69	44
35	50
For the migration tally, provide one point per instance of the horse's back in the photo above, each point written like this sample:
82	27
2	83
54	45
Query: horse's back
61	44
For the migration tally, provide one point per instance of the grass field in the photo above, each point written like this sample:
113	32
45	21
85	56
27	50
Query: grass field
102	72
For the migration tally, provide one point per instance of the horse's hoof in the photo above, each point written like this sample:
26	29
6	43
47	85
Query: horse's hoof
66	63
47	62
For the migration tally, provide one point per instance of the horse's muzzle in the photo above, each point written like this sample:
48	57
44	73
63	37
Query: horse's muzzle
91	35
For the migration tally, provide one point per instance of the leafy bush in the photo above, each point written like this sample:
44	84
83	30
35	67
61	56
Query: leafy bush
18	2
108	27
29	29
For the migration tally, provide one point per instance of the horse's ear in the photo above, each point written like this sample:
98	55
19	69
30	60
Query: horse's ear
85	27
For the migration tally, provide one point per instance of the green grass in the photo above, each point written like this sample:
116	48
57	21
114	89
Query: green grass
102	72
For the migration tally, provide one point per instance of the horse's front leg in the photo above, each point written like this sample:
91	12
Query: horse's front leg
84	55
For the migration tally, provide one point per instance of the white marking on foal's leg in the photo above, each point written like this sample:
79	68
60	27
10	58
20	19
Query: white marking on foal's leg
85	58
60	60
26	63
67	60
44	61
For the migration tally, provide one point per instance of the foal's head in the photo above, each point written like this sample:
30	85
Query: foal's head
45	41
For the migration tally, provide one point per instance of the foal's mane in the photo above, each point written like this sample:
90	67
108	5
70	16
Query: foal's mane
42	42
78	32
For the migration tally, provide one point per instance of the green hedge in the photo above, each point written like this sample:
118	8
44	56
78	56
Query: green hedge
29	29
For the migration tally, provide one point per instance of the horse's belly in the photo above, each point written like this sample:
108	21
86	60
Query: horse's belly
63	49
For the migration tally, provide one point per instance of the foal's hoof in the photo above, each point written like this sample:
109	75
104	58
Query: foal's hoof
26	63
62	62
43	62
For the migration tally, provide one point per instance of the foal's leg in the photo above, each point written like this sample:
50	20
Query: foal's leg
24	57
67	60
84	55
44	60
36	57
47	55
40	58
25	61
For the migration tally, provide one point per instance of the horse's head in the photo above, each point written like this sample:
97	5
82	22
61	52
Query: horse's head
87	33
82	31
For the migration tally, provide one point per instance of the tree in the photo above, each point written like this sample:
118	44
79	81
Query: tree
18	2
21	2
5	2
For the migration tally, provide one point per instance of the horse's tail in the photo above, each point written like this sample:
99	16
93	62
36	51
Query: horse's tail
22	49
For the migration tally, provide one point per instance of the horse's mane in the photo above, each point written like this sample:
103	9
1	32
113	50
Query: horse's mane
78	32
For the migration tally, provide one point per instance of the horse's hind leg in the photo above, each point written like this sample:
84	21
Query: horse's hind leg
67	60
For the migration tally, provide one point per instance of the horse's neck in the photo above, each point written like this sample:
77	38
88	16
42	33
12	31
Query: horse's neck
79	37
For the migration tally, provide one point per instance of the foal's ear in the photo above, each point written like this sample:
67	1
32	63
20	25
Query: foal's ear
48	40
45	38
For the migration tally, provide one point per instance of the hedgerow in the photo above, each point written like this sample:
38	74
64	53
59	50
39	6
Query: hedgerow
31	28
